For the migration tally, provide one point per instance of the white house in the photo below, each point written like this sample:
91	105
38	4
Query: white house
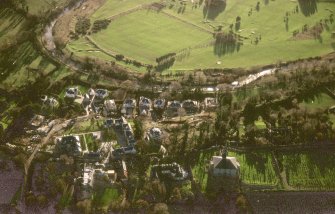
72	93
109	107
101	93
225	166
145	106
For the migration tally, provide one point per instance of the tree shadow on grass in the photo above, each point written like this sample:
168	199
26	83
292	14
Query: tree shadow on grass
226	44
214	9
308	7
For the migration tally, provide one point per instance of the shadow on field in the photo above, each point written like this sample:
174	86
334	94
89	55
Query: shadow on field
223	48
308	7
214	9
226	44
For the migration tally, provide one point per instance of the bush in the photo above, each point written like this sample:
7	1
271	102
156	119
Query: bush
119	57
83	25
99	25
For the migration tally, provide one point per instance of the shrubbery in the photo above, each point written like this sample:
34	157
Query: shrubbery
83	25
99	25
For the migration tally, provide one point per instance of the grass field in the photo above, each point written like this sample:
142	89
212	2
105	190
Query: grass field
144	35
322	101
114	7
10	25
106	197
36	7
200	170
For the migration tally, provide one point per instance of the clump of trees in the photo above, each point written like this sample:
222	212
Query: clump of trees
99	25
83	25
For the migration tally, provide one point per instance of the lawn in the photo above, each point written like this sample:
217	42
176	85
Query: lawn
86	126
145	35
260	124
275	44
18	64
332	119
114	7
91	142
321	101
105	198
83	48
36	7
200	170
10	25
82	142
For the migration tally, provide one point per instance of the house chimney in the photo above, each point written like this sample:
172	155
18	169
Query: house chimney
224	153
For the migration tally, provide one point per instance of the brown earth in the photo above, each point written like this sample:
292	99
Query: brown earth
67	22
292	202
310	33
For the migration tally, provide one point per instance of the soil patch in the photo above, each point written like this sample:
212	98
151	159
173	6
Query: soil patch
66	23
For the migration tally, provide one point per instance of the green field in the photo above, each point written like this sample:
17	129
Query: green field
321	101
37	7
146	34
105	198
115	7
200	171
256	168
314	170
91	142
10	25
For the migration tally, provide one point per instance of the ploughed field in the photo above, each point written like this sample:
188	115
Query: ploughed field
267	32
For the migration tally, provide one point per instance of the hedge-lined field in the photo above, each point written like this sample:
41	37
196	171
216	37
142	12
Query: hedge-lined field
267	31
313	170
147	35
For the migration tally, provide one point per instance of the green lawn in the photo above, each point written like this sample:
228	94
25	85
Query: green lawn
322	101
114	7
200	170
83	48
86	126
332	119
105	198
10	25
91	142
260	124
275	41
37	7
144	35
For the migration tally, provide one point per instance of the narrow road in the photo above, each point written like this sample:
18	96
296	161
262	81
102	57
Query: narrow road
55	129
